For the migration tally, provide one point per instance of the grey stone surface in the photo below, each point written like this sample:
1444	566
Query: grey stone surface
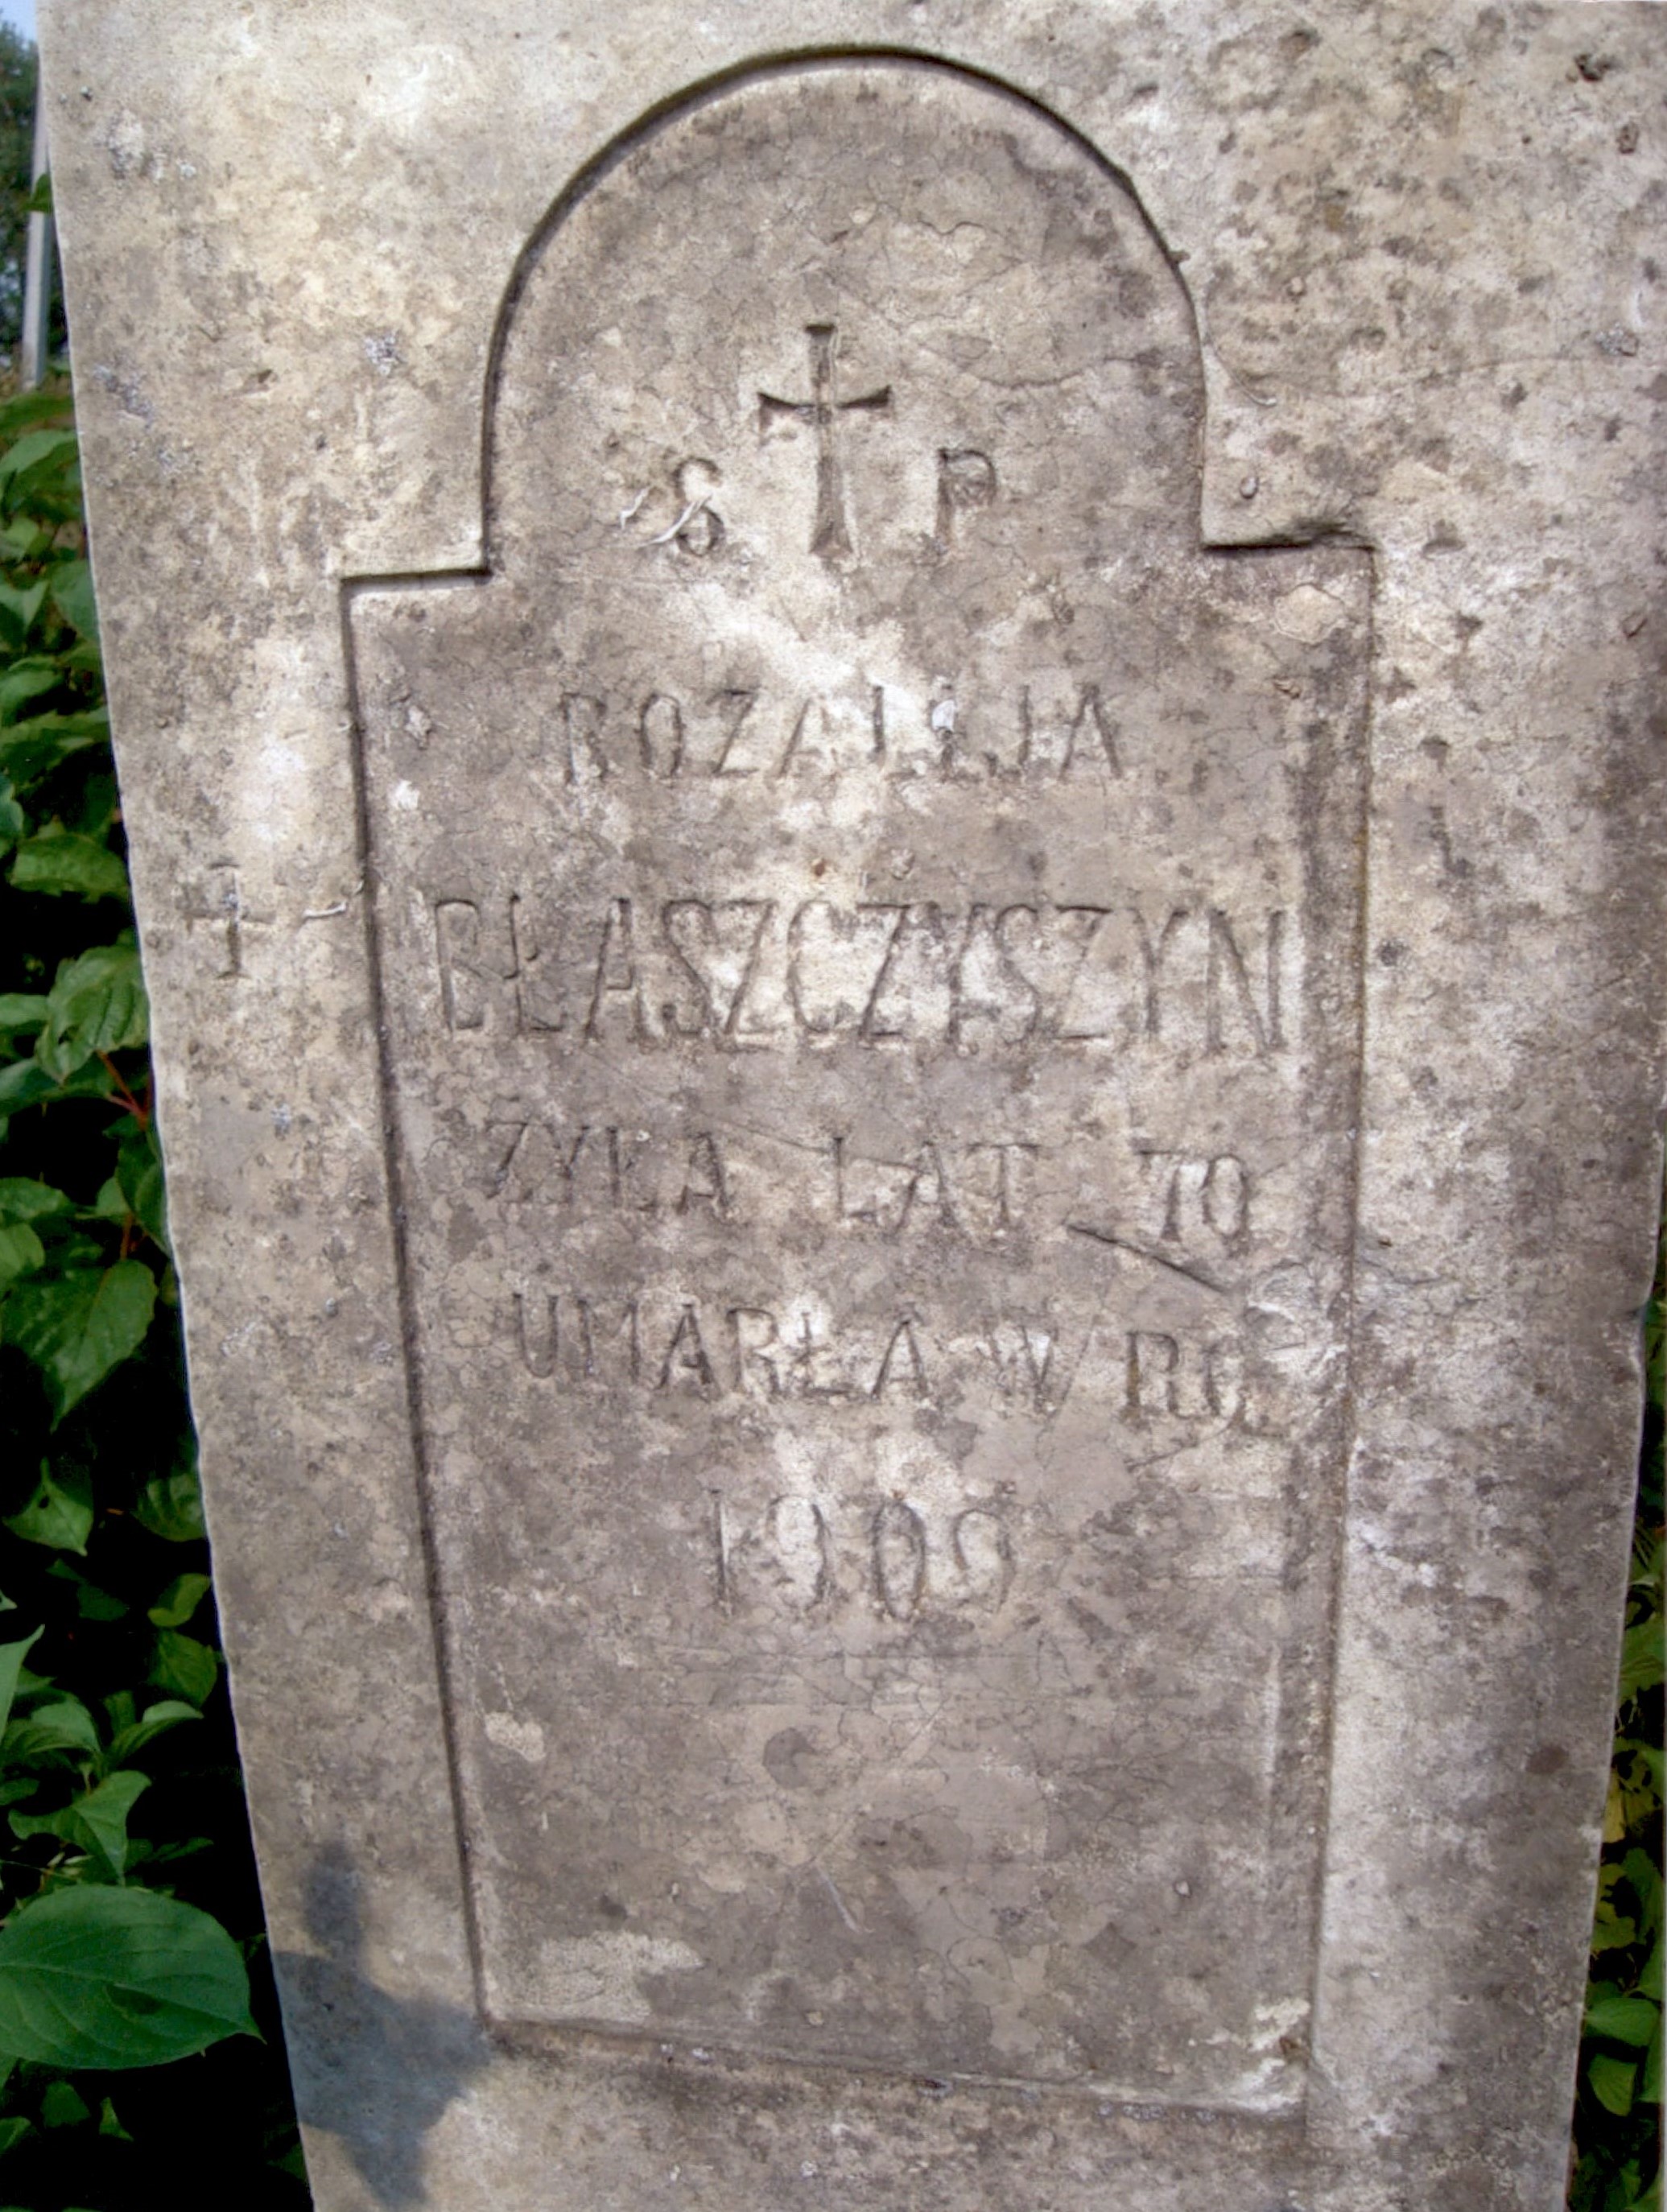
897	816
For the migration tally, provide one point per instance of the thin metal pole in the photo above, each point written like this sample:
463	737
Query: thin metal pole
38	261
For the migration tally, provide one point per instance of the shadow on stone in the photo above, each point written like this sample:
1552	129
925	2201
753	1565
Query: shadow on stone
375	2070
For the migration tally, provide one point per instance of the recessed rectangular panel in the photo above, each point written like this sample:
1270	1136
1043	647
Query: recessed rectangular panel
868	919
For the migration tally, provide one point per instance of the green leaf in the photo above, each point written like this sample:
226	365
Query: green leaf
78	1326
12	1657
63	1728
1642	1656
58	859
1640	1870
171	1854
96	1003
12	2133
64	2106
155	1721
1624	2019
177	1603
99	806
67	1248
92	1603
1652	1759
22	1010
110	1205
51	484
115	1978
72	595
26	1082
19	609
50	476
60	1514
25	408
33	448
1612	2079
96	1821
139	1173
181	1664
31	750
1649	1975
1612	1933
13	820
109	2124
25	680
23	1199
20	1254
171	1506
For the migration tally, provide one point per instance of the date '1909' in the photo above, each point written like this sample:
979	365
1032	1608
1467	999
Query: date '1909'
802	1553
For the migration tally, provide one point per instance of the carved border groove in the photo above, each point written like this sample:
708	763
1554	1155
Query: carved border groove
676	109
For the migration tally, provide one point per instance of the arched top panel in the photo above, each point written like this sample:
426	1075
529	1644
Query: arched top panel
836	321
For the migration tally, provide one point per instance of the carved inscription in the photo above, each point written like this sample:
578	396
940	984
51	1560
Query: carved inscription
606	1168
966	482
658	1341
830	533
1049	731
886	1554
1177	1211
869	918
218	904
981	1190
756	972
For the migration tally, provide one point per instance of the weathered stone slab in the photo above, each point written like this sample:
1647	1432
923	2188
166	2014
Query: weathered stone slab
871	978
893	900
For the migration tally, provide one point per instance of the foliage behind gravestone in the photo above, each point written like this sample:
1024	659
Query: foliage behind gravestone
1617	2124
18	82
132	2071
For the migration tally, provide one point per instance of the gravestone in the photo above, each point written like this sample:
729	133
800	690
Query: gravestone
893	813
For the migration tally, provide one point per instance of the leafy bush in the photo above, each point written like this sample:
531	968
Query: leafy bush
134	2068
1617	2121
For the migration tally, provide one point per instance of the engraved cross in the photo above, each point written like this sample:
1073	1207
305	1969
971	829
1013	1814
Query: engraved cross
221	906
831	534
